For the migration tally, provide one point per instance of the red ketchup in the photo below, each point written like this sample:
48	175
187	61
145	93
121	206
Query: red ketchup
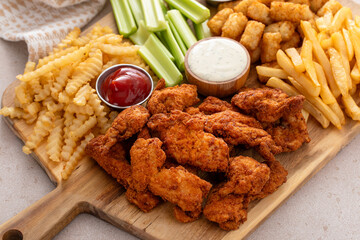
126	86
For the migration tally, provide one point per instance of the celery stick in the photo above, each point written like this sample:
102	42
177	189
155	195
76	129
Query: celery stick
163	7
141	34
202	30
182	27
154	17
123	16
135	6
162	47
174	47
192	9
160	63
178	38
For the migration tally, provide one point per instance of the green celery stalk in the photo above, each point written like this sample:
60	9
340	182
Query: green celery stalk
162	47
163	7
159	62
141	35
123	17
192	9
174	47
182	27
178	38
154	17
202	30
135	6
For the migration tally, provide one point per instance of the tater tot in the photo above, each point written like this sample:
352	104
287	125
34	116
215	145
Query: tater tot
315	5
243	6
268	2
286	11
331	6
231	5
234	26
306	2
252	35
259	12
269	46
255	55
293	42
217	22
285	28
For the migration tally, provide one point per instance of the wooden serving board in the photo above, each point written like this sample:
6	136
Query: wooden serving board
89	189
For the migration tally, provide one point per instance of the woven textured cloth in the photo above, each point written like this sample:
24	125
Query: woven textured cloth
43	23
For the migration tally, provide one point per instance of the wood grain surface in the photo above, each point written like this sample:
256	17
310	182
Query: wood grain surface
89	189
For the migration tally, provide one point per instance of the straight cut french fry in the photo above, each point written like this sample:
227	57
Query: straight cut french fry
286	64
338	71
349	46
291	91
320	55
325	92
339	18
340	46
355	74
296	59
351	108
271	72
317	102
337	110
306	55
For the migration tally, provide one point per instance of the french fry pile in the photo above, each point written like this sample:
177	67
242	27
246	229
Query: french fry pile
325	69
58	98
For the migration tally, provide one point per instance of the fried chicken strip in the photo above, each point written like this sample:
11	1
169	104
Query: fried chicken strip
186	142
229	211
212	105
144	200
173	98
126	124
180	187
245	176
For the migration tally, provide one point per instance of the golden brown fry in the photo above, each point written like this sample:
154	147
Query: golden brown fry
269	46
296	59
325	93
259	12
338	71
287	11
339	18
340	46
234	26
331	6
217	22
351	108
315	5
252	35
306	55
349	46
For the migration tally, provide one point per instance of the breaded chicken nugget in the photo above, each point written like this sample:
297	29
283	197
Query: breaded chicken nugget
145	200
331	6
243	6
293	42
217	22
231	5
285	28
255	55
287	11
315	5
252	35
269	46
234	26
259	12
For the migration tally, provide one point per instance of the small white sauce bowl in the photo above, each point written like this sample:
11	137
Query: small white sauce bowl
217	88
100	80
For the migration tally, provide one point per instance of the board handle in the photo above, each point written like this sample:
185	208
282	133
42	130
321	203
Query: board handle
44	219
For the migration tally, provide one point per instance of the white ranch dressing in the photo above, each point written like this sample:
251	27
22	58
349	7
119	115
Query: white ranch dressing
217	60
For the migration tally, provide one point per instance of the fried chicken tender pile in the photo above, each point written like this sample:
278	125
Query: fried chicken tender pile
175	151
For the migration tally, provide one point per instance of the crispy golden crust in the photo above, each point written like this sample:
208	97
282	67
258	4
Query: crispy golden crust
285	28
278	175
144	133
238	129
315	5
231	5
186	216
245	176
255	55
216	23
145	200
331	6
268	2
266	104
306	2
212	105
126	124
173	98
270	44
147	158
113	161
292	43
243	6
287	11
259	12
229	211
252	35
186	142
234	26
180	187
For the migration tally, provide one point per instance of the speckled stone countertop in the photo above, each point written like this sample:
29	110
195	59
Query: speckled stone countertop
327	207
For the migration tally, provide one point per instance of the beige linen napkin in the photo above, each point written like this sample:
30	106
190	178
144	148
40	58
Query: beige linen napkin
43	23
